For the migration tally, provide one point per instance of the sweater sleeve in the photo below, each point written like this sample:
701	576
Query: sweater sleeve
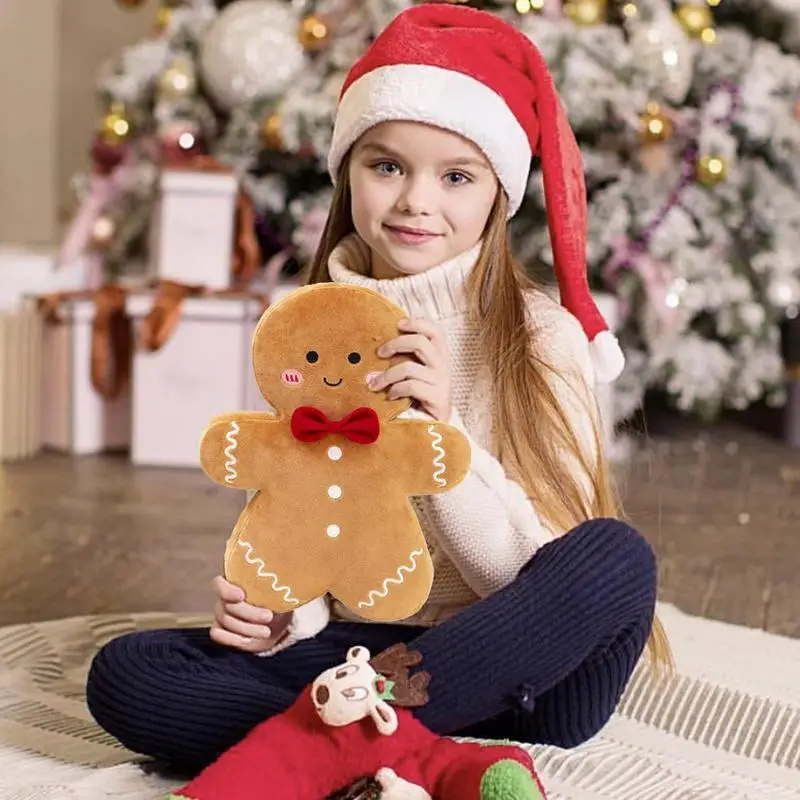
487	525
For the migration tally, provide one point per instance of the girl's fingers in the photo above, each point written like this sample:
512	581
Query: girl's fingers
429	330
401	372
226	591
414	344
414	389
247	613
228	639
248	630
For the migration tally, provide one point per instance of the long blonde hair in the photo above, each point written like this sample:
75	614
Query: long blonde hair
496	292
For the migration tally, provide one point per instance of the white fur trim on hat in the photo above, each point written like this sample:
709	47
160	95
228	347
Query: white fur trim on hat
607	357
446	99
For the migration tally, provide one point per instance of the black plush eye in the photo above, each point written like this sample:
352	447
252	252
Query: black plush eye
312	356
354	358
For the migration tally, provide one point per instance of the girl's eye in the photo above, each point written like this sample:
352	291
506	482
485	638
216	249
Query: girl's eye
385	168
457	178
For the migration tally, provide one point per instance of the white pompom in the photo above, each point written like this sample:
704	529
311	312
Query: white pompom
607	357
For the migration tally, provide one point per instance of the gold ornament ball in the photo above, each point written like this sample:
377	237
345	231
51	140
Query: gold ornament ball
178	80
696	20
163	18
103	231
116	126
656	126
529	6
314	34
271	132
711	170
586	12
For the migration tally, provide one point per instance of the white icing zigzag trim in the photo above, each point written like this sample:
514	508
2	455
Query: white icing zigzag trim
370	601
229	464
262	573
438	461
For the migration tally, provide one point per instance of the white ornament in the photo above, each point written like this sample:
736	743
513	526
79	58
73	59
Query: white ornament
251	51
334	453
333	531
334	492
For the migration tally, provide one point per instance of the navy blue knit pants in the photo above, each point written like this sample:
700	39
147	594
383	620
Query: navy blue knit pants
544	660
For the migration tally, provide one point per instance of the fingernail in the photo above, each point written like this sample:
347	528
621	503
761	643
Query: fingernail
373	379
383	351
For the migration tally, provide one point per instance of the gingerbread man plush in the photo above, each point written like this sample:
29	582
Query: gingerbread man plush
353	721
334	465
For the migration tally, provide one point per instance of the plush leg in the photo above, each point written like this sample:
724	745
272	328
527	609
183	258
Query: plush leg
547	658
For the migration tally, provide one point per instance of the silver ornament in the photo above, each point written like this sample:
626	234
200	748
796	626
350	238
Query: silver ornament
251	51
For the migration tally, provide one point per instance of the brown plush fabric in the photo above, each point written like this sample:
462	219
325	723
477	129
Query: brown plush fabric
331	514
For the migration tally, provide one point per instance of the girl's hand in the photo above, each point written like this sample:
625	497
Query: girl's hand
244	627
426	380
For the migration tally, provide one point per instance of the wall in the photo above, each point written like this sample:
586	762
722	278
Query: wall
50	52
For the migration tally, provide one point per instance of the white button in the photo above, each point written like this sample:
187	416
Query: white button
334	492
333	531
334	453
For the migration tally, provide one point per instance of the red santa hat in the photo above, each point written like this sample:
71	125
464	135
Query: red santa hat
469	72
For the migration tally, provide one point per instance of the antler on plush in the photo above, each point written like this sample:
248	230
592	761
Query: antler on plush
393	663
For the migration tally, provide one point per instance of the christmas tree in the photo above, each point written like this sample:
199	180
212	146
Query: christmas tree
687	111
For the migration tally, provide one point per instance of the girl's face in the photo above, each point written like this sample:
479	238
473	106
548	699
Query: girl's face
420	196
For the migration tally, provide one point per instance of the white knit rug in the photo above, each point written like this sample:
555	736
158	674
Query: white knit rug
726	728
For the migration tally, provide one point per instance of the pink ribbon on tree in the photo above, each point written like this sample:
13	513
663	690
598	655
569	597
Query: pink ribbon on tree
654	275
103	189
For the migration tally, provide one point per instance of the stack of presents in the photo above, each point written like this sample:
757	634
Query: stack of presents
139	365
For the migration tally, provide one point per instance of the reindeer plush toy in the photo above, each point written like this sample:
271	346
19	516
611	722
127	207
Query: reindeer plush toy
353	721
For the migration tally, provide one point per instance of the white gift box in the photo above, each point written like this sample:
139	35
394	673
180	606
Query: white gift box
76	418
204	369
26	272
192	233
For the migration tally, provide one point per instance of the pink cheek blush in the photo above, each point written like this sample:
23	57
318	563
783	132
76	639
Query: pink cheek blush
292	377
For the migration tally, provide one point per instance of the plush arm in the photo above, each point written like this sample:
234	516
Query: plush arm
434	457
487	525
233	447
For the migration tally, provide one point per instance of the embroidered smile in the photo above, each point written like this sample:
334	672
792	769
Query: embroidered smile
329	383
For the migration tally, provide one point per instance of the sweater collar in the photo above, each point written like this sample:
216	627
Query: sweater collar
437	293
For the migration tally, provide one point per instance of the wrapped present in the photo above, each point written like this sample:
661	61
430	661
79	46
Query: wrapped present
192	360
85	377
203	231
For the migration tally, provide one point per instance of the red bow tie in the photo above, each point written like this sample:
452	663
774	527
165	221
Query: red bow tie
361	426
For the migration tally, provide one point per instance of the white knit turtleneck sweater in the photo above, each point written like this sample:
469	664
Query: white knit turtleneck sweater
483	531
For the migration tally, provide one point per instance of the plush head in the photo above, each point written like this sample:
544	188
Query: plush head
351	692
363	687
303	354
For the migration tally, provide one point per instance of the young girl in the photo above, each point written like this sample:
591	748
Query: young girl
542	601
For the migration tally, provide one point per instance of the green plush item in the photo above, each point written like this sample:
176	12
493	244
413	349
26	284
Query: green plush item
333	465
